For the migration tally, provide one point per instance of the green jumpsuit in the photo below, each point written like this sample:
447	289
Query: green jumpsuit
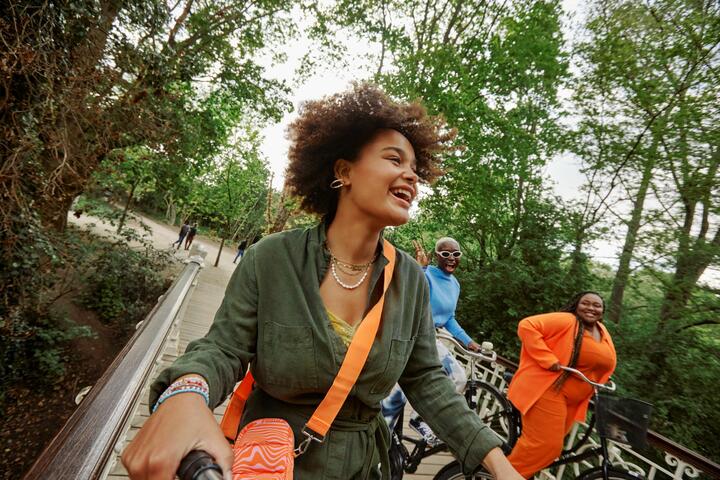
273	319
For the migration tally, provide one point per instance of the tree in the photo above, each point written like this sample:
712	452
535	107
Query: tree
634	77
85	81
226	198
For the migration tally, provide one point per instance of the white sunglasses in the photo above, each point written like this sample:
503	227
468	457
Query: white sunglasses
446	254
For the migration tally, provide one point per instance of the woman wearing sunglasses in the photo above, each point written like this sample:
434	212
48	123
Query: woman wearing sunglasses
444	287
444	294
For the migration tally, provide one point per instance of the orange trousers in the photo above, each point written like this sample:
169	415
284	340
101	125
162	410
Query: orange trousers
544	427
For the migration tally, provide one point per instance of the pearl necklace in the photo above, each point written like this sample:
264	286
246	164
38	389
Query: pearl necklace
343	284
336	263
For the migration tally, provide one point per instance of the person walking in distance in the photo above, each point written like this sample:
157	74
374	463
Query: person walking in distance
183	232
191	236
240	250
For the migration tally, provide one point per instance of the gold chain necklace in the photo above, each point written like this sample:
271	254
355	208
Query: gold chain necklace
350	269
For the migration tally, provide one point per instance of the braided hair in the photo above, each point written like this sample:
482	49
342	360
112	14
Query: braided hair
571	307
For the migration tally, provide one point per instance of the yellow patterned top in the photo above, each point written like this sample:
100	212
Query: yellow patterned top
342	328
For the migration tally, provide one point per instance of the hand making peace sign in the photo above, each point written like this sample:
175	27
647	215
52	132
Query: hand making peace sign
421	256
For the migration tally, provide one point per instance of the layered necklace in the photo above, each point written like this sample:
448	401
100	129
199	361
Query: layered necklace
349	269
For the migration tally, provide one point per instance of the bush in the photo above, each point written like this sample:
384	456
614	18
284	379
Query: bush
123	281
115	280
32	335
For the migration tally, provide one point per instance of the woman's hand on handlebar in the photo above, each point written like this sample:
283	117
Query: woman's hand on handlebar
472	346
181	424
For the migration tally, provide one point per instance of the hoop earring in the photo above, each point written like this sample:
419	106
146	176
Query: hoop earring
337	183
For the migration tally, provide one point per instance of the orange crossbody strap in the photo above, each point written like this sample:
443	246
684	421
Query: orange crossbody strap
231	418
349	372
354	358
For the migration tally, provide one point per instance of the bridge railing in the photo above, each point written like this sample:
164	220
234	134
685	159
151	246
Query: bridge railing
679	462
84	445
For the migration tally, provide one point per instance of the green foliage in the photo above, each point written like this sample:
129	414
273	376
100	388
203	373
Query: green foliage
143	94
123	282
497	292
38	355
96	207
673	372
32	334
644	98
230	197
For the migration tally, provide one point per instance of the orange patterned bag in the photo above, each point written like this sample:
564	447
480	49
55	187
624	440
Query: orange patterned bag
265	448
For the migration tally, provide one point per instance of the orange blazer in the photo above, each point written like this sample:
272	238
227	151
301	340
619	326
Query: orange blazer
547	339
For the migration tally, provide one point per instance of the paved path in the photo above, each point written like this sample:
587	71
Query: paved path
196	317
162	236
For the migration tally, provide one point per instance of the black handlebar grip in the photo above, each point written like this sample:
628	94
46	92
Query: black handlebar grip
199	465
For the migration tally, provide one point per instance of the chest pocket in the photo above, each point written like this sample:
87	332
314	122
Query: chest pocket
396	360
290	356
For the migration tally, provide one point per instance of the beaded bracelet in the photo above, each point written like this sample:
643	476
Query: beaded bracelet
185	385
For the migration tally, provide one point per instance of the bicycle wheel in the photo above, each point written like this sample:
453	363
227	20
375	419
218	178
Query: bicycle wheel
397	452
497	412
613	474
453	471
396	460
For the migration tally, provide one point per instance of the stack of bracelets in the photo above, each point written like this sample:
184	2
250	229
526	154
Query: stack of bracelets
184	385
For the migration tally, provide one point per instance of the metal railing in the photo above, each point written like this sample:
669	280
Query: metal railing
81	449
679	462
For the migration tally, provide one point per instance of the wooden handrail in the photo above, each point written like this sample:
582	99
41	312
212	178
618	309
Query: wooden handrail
658	441
85	443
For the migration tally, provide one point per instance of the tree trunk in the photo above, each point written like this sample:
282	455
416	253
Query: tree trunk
170	211
280	219
53	214
281	216
70	165
217	259
578	260
694	254
691	264
121	223
623	271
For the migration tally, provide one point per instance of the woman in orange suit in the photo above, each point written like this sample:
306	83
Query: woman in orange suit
550	399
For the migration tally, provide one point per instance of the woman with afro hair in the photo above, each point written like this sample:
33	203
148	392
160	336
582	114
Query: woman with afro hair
295	301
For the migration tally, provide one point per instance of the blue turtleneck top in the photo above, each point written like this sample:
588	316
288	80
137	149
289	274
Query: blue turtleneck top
444	294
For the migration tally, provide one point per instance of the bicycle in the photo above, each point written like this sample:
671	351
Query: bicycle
482	397
622	420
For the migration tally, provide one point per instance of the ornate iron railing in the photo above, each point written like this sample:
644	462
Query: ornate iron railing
679	462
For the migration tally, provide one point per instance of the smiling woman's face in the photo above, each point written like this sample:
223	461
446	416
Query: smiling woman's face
450	264
590	309
381	183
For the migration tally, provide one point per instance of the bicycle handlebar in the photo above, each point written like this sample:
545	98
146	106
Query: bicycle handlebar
487	357
199	465
610	386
